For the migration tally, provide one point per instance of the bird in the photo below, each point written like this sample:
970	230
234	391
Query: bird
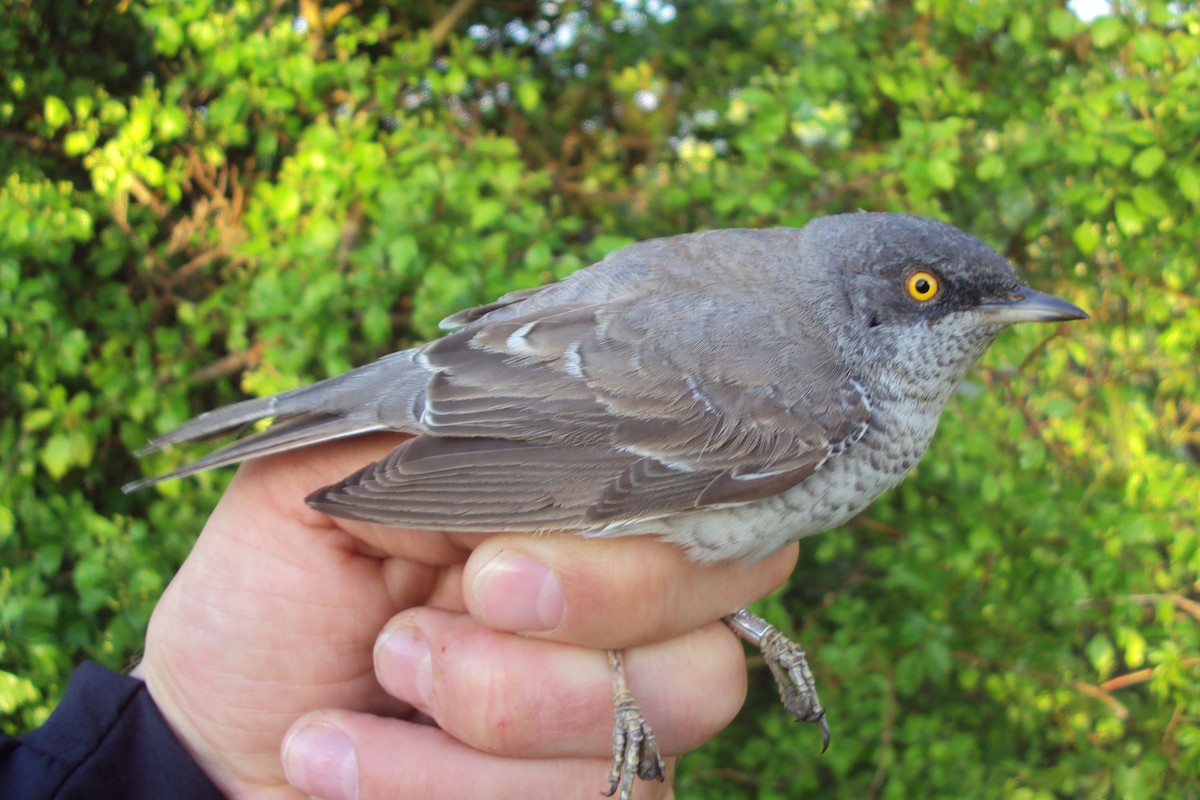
729	391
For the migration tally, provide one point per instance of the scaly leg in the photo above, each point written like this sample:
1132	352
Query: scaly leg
634	748
788	664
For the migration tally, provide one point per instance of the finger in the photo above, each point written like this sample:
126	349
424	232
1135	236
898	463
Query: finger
608	592
338	755
514	695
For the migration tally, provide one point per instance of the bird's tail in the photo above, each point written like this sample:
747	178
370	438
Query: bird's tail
386	395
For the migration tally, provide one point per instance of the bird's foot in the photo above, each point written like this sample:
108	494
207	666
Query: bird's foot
797	689
635	751
788	664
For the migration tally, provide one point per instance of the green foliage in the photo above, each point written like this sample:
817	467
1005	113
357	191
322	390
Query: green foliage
194	191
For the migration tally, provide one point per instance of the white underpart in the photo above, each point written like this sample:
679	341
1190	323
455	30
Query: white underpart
839	490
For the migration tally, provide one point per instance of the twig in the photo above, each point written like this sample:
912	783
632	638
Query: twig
1187	606
1141	676
449	21
1040	347
1170	746
227	365
1099	693
1184	604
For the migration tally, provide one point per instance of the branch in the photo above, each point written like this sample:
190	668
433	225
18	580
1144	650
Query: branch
444	26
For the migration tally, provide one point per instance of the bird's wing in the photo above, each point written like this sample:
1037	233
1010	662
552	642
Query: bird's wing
585	413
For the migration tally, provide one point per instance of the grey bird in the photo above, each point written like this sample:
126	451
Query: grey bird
729	391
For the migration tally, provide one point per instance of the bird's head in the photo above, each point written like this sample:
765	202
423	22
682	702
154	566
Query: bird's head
925	299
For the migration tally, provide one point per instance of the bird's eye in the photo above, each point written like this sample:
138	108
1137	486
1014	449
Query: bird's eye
923	286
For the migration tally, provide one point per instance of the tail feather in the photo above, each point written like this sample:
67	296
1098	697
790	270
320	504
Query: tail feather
279	438
217	422
385	395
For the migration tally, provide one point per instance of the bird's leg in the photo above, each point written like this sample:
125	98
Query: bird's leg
788	664
634	748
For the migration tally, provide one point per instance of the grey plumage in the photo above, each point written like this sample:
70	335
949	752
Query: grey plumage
730	390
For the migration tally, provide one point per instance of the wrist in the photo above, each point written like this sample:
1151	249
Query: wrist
203	751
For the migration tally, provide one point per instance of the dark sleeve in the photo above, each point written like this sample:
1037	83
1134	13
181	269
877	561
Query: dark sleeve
106	740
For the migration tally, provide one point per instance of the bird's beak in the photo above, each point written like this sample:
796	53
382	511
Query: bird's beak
1029	305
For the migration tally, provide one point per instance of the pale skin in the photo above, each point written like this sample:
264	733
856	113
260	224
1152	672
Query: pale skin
299	655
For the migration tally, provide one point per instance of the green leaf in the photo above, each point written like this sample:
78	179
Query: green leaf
1150	201
37	419
1130	220
56	455
377	324
1106	31
1021	29
1147	162
990	167
1187	178
1102	655
537	256
1150	48
1087	237
15	691
7	522
170	123
1134	645
1061	23
203	35
529	96
455	81
168	34
942	174
402	253
84	106
151	170
486	213
1117	153
55	112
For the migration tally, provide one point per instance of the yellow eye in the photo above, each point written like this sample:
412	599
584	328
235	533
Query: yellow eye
923	286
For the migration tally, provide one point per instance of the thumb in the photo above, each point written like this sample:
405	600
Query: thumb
347	755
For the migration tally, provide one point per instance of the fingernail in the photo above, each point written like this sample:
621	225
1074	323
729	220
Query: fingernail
518	593
405	665
319	761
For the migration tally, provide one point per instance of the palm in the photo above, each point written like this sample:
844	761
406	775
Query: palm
288	623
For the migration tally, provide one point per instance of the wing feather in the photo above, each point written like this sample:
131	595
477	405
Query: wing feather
574	415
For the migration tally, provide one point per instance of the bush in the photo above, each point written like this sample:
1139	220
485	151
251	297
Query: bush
196	192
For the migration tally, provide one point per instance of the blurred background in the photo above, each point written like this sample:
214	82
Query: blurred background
202	200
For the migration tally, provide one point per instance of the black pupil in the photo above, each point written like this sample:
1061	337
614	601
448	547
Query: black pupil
922	286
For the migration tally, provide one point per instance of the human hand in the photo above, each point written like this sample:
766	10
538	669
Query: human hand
278	612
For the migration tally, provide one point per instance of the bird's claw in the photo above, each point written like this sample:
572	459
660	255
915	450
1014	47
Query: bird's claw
797	688
823	724
788	664
635	751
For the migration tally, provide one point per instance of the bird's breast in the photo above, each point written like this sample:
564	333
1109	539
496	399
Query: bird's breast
843	487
